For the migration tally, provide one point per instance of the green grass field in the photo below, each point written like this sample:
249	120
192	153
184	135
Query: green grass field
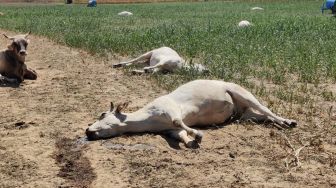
289	40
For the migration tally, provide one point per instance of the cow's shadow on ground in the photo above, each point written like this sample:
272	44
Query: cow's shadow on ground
176	143
12	85
171	141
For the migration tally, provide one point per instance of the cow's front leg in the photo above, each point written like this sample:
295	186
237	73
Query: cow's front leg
182	135
121	64
173	112
198	135
30	74
154	68
137	72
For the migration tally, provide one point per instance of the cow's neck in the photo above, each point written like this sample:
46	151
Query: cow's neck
143	121
13	57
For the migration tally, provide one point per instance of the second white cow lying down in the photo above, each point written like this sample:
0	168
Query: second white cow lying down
199	102
162	59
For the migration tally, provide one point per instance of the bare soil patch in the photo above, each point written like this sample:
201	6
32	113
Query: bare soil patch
74	87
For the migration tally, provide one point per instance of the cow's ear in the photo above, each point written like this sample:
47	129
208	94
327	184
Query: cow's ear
121	107
111	107
10	38
11	47
26	35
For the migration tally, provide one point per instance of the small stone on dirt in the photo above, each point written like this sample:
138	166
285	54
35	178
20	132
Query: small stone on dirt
21	125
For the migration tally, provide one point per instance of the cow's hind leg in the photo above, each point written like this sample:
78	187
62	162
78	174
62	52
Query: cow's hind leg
182	135
140	59
245	99
254	116
267	115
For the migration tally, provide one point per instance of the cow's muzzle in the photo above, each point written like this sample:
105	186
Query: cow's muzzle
23	53
91	135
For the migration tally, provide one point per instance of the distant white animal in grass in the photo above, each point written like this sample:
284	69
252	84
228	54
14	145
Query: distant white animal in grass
162	60
197	103
125	13
257	8
244	24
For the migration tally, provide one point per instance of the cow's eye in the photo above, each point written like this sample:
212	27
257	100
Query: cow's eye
16	45
102	116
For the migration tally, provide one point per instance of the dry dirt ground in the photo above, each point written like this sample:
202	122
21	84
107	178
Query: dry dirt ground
42	123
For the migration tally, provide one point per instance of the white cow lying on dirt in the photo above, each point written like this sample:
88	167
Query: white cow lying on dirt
200	102
162	59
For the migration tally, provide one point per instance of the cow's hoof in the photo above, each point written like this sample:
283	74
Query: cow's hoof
137	72
291	123
116	65
198	137
192	145
148	70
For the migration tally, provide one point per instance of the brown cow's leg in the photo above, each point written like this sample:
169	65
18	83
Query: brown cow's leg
30	74
4	79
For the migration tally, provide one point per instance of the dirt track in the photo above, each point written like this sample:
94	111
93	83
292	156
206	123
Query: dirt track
73	88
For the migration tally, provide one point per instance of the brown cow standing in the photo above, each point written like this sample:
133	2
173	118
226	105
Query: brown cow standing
12	61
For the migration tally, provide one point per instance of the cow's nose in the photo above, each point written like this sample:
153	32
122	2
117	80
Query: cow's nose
22	53
91	135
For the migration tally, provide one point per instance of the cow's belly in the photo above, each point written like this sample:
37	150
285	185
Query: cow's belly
210	114
153	61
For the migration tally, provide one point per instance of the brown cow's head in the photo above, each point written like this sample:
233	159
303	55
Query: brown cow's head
19	45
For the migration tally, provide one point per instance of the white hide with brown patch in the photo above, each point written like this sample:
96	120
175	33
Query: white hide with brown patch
199	102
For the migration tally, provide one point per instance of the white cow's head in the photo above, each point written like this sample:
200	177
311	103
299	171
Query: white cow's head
19	45
109	124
